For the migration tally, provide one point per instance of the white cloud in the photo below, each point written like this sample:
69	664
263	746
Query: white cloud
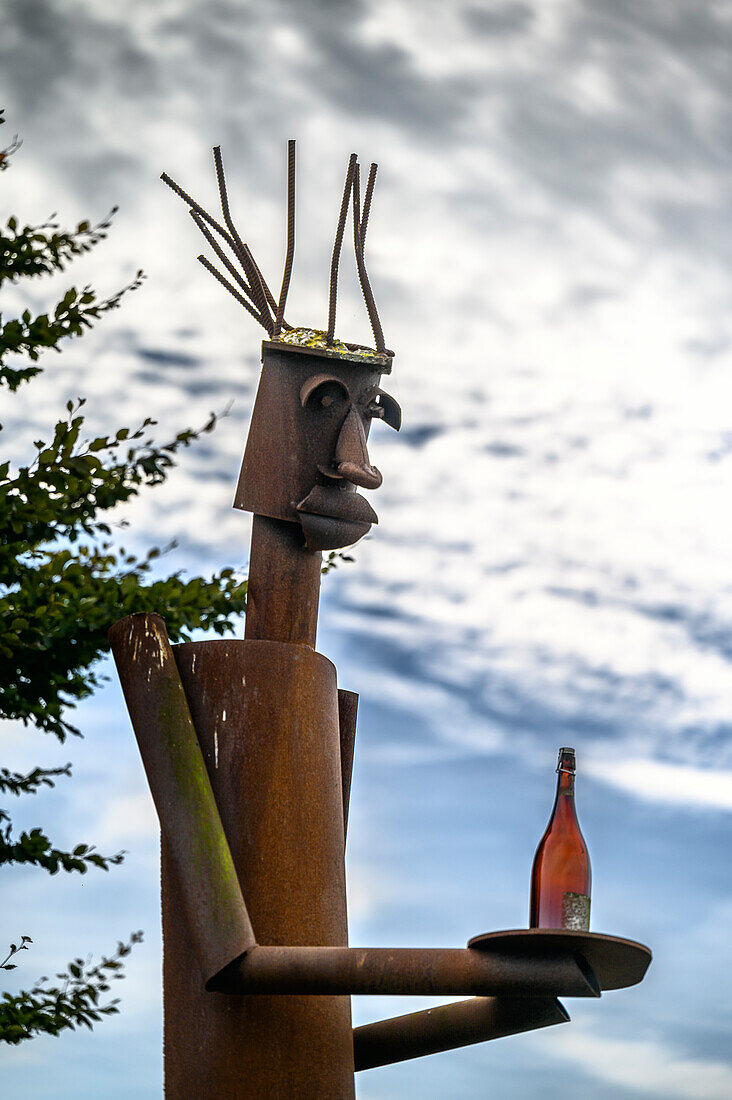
645	1065
549	250
126	820
660	781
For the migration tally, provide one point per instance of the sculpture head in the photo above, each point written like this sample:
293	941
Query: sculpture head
307	455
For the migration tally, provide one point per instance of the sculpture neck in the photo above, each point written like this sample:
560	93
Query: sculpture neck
284	584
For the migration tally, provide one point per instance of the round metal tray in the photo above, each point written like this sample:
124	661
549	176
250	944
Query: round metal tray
616	962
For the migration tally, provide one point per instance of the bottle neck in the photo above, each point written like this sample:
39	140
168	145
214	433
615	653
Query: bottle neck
564	804
565	782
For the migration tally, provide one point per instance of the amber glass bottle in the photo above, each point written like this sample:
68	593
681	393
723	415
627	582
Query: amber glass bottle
561	876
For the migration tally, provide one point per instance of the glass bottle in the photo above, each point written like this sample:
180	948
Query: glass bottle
561	876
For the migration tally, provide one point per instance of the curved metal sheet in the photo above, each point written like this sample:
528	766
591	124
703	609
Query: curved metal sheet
196	846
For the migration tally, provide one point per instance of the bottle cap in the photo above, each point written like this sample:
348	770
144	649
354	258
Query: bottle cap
566	761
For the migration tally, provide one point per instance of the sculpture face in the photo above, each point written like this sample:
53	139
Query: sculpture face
307	455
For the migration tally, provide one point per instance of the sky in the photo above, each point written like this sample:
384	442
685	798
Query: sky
550	251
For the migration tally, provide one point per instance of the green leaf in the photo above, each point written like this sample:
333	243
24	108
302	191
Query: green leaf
64	579
48	1009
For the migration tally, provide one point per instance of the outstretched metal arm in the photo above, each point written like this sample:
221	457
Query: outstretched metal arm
450	1026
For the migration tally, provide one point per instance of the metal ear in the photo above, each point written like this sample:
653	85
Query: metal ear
392	410
315	382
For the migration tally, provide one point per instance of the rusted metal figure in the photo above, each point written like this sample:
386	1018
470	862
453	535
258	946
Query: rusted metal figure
248	748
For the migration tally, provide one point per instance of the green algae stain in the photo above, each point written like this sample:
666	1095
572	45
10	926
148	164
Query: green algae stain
208	854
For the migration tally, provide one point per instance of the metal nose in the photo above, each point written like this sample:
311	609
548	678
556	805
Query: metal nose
352	456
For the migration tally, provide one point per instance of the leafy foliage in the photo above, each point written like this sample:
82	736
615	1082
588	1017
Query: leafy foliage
32	250
50	1009
76	311
35	847
331	562
64	580
7	152
18	784
14	949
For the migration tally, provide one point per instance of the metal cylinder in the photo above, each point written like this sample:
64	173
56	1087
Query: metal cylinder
429	971
284	584
266	714
449	1026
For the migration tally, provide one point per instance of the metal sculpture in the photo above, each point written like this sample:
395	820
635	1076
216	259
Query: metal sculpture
248	748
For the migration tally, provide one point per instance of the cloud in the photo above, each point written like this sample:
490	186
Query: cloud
499	19
644	1065
127	819
549	249
659	781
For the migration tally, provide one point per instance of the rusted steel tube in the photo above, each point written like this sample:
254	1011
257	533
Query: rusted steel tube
266	715
405	970
450	1026
284	584
196	844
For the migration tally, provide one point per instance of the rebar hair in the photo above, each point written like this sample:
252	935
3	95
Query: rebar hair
268	293
337	248
250	270
260	280
220	253
263	283
367	202
363	278
205	216
198	208
228	265
290	237
256	296
231	289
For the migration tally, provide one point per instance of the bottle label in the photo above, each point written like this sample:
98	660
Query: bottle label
576	912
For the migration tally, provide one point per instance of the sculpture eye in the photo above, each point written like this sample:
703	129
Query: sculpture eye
324	391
